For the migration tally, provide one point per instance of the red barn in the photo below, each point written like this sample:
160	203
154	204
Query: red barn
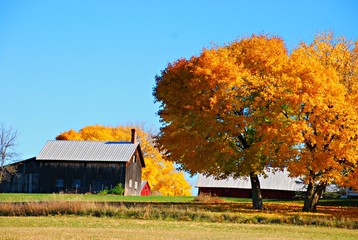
273	186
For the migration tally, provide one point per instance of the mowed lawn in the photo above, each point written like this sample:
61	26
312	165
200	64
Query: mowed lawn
76	227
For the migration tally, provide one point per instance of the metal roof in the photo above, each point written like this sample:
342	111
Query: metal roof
279	180
64	150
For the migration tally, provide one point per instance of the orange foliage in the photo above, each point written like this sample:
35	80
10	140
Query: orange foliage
237	109
213	106
161	174
326	116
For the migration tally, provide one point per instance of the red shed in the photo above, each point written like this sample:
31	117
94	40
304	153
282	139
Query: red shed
145	189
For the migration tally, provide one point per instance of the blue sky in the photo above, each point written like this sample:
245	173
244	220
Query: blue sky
66	64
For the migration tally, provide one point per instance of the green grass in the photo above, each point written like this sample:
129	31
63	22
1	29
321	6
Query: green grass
74	227
228	199
24	197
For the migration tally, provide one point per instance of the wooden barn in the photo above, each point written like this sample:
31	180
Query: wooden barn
80	167
273	186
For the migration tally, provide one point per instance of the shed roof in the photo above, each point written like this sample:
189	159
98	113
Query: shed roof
143	184
64	150
279	180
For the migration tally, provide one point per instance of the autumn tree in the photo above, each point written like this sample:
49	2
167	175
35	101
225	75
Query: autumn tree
321	115
8	139
237	109
215	108
160	174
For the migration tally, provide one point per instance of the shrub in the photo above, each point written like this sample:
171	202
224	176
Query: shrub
117	190
331	195
103	192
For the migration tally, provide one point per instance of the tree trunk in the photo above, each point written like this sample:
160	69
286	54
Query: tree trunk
256	191
313	194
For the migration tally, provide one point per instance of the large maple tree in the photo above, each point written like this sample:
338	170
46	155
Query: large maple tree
213	108
237	109
161	175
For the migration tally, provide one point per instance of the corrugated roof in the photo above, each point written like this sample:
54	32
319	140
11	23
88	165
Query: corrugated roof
275	181
63	150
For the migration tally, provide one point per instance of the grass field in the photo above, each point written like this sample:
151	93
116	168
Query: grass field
177	208
66	216
24	197
74	227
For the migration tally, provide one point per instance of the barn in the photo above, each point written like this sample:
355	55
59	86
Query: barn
276	185
80	167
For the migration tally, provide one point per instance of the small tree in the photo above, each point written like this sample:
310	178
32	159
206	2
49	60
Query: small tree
8	138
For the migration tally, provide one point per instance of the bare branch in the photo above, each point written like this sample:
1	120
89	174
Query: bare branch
8	138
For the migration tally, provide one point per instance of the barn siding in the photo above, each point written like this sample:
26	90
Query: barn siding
88	176
25	179
42	176
133	179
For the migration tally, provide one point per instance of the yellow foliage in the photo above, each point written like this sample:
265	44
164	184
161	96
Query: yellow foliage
240	108
326	73
208	109
160	174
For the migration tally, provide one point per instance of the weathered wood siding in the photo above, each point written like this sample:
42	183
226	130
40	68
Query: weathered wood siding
133	176
25	180
65	176
79	177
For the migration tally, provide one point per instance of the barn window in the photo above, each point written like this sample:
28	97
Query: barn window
135	185
134	159
130	183
76	183
59	183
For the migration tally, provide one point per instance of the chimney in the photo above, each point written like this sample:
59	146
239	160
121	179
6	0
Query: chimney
134	136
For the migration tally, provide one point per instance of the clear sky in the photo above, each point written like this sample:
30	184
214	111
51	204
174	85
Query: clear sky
66	64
